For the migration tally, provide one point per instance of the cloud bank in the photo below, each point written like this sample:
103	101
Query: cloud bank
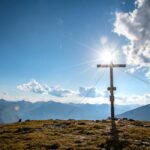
83	95
35	87
135	26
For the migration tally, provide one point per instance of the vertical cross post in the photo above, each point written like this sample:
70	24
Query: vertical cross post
111	89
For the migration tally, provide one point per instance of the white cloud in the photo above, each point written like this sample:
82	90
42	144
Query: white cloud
88	92
133	99
139	2
36	87
135	26
59	92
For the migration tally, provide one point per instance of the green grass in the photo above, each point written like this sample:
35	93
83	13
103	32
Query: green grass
71	135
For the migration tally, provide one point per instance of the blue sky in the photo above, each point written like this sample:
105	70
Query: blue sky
57	43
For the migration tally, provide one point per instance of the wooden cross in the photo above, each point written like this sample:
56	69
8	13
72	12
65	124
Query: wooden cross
111	89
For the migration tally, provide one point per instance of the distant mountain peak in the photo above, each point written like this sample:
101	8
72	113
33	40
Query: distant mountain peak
140	113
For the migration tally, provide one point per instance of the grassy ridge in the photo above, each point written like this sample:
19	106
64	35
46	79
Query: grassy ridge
67	135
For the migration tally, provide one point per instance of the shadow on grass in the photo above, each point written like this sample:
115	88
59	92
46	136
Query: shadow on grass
113	142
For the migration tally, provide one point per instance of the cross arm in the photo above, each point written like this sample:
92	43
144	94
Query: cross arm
119	65
108	65
103	66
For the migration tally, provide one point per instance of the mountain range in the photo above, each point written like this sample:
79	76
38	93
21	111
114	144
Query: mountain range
12	111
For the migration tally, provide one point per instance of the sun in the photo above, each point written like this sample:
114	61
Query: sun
107	57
